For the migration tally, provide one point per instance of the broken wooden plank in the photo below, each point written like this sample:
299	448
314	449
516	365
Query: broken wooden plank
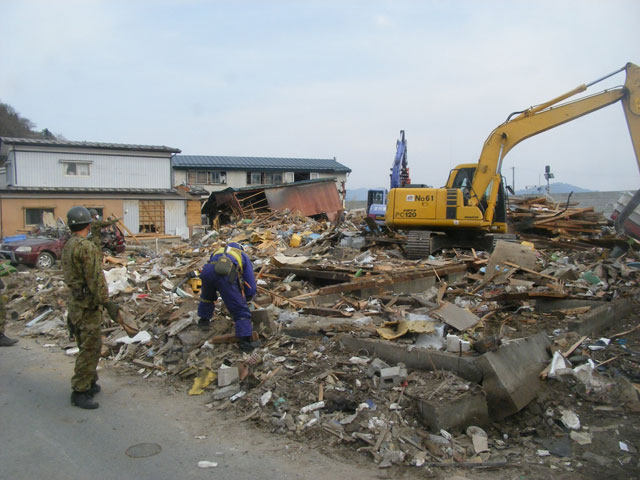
380	282
315	274
326	312
129	232
528	270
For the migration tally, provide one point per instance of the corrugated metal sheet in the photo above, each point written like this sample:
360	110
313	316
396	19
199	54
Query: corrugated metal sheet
258	163
175	218
131	218
309	199
313	197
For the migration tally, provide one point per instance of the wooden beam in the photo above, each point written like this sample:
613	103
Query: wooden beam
129	232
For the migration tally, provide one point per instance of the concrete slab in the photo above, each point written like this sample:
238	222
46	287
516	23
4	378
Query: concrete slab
455	415
547	305
600	318
227	376
509	252
424	359
510	374
459	318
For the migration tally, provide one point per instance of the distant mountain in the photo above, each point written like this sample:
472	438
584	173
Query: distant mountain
554	188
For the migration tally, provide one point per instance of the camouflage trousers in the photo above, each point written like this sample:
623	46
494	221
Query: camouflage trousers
87	325
3	314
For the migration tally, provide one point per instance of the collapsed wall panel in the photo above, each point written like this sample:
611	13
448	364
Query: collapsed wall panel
310	198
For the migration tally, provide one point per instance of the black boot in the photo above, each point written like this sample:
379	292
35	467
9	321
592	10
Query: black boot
204	324
94	389
6	341
246	345
83	400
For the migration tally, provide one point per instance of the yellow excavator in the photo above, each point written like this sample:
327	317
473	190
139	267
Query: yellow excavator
470	210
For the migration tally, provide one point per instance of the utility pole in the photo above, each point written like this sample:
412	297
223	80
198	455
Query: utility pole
548	175
513	179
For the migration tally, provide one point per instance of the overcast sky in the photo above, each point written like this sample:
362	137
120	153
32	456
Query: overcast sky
324	79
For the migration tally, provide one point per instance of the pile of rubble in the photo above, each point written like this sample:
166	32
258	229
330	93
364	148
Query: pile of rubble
466	358
544	214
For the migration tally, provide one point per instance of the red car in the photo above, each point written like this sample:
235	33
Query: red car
43	248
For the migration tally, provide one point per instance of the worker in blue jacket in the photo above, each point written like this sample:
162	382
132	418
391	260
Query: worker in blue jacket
229	273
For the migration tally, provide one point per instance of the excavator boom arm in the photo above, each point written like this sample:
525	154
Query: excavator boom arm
399	167
535	121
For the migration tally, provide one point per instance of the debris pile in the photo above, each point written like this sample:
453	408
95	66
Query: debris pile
563	219
469	358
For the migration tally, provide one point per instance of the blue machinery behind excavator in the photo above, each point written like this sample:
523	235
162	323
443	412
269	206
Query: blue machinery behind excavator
377	198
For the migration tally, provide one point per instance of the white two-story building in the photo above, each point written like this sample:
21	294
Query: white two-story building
132	182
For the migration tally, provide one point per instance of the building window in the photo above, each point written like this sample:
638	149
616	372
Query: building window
263	178
33	216
289	177
151	216
272	178
202	177
254	178
76	169
314	176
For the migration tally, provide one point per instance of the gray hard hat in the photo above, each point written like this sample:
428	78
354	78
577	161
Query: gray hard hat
78	218
93	212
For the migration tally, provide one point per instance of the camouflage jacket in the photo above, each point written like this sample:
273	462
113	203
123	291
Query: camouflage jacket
82	266
96	228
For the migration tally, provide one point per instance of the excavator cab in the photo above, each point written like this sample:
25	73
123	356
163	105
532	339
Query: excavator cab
461	178
471	209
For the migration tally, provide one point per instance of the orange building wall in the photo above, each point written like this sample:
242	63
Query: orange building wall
12	210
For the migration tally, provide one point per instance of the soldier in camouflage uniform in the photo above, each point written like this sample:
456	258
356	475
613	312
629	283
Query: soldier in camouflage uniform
82	265
96	227
4	340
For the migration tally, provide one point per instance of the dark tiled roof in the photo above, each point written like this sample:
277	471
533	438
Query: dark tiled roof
67	143
163	191
258	163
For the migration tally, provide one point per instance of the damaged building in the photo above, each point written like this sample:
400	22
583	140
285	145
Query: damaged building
215	173
131	182
312	198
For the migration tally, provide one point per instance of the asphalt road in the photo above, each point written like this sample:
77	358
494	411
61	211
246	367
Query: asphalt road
43	436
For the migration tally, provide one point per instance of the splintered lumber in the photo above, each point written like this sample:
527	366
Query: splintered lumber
280	298
129	232
326	312
558	218
533	272
565	214
381	282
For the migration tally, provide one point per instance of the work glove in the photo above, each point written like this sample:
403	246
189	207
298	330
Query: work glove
112	309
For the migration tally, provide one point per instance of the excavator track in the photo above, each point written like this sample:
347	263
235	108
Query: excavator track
422	243
418	244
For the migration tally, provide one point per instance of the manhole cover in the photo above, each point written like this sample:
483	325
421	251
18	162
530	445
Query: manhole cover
142	450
